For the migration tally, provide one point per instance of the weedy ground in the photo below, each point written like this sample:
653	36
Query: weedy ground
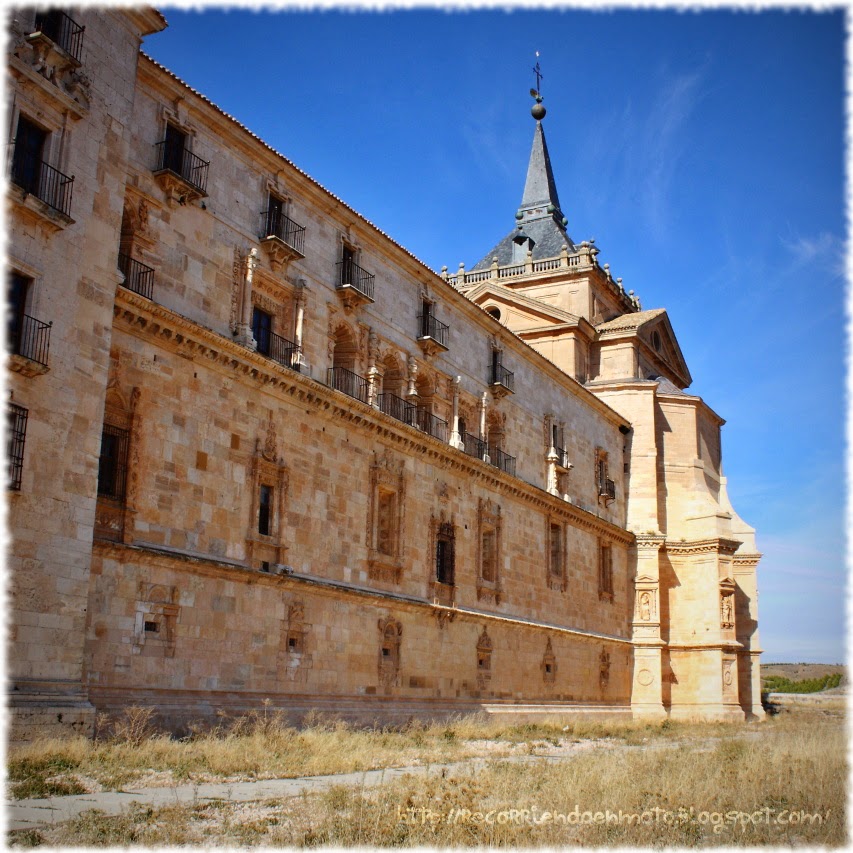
787	775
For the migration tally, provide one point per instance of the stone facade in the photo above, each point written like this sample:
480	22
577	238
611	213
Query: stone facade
262	452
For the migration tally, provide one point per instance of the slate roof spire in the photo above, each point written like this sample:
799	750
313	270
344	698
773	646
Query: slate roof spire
540	224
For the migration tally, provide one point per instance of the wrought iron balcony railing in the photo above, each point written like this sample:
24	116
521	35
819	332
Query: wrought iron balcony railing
502	460
427	422
607	489
29	338
352	274
275	224
429	327
35	177
277	348
173	157
62	31
137	277
398	408
562	457
502	376
473	446
348	382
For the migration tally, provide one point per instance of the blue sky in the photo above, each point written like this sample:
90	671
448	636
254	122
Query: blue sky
703	151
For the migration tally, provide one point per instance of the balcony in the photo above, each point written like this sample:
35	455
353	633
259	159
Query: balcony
40	181
473	446
29	343
281	238
279	349
427	422
562	458
502	460
397	408
180	173
502	381
137	277
348	382
433	335
607	490
63	31
355	285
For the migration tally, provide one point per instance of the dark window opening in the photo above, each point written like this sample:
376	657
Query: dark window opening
27	160
17	295
152	627
112	466
262	330
265	565
495	312
265	511
444	556
173	149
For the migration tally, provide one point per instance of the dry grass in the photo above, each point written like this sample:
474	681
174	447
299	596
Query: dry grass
792	764
262	746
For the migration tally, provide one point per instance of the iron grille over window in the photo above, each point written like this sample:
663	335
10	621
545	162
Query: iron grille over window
112	468
17	424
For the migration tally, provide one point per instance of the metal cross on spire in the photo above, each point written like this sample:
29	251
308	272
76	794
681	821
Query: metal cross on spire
538	72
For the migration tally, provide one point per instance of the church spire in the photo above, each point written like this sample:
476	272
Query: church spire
540	224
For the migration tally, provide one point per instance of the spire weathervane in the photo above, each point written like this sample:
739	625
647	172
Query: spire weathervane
538	111
539	75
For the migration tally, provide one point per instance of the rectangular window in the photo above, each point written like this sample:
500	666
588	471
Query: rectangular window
386	523
173	150
17	296
605	571
17	425
275	214
489	572
27	160
556	564
262	330
444	556
112	466
265	510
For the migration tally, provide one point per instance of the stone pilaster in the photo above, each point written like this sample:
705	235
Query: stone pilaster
647	688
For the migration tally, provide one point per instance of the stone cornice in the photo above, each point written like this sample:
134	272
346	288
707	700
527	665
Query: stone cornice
746	561
703	546
296	580
143	318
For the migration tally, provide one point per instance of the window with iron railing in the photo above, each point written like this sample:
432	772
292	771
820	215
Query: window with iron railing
502	460
62	31
430	327
17	433
174	156
499	374
137	276
26	336
276	223
265	510
32	174
350	274
348	382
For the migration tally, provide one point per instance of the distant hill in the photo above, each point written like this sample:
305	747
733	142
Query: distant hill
802	671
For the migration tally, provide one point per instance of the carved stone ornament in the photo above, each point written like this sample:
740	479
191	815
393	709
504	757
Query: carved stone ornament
390	636
549	664
604	668
270	450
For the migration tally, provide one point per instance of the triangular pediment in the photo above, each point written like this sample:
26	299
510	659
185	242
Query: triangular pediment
489	293
654	330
